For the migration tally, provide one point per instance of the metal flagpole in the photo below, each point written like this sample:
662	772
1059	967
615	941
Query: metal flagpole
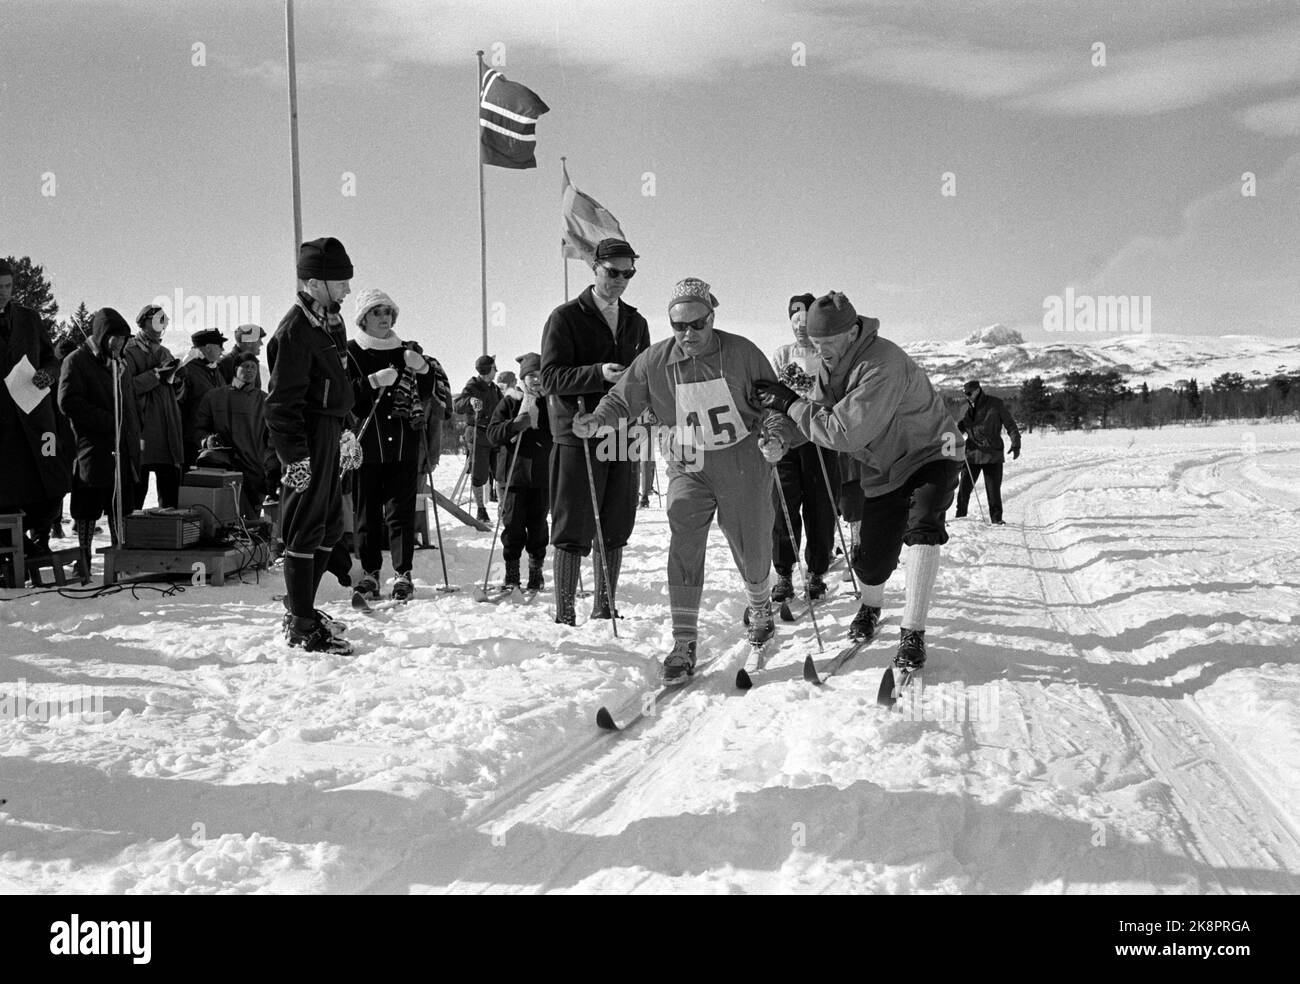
564	256
293	127
482	220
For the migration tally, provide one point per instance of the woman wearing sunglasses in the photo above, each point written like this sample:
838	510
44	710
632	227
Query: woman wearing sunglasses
699	384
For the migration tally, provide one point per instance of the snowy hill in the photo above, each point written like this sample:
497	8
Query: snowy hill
999	356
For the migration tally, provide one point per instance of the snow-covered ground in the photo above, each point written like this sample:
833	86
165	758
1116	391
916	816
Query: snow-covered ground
1111	706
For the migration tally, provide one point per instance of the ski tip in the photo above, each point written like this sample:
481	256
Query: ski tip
605	720
746	617
887	696
359	604
743	682
810	671
786	614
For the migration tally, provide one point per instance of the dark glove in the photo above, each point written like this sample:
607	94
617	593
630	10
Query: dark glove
1015	453
774	396
43	379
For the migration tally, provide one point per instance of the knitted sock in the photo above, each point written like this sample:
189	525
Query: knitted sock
758	592
614	558
873	595
922	566
565	575
684	601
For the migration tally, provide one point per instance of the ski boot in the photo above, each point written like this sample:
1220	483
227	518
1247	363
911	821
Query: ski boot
482	515
782	587
864	624
679	665
511	582
536	577
402	587
911	650
644	503
366	591
816	586
311	634
762	627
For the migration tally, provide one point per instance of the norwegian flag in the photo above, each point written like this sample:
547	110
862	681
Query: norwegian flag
507	119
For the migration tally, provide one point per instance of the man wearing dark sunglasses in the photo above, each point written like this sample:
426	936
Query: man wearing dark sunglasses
700	384
587	345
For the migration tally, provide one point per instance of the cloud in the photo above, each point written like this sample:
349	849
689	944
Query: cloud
1280	118
1232	253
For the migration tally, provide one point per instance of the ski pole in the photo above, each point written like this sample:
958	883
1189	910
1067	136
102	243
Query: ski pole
978	502
803	573
482	595
437	526
600	535
826	478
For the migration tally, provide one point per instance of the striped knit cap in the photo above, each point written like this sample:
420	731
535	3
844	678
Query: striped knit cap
692	289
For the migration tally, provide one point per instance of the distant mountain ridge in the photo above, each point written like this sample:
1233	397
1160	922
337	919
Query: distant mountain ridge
999	356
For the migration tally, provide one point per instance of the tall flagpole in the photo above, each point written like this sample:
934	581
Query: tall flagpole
293	127
564	256
482	220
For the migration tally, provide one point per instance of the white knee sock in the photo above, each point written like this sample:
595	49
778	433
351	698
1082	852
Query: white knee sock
758	592
873	595
922	566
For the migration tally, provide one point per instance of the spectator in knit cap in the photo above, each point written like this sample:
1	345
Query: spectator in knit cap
157	384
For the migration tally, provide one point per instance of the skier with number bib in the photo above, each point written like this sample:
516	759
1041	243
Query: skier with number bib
872	400
700	384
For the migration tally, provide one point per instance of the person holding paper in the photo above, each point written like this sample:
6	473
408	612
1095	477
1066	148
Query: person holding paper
36	472
153	370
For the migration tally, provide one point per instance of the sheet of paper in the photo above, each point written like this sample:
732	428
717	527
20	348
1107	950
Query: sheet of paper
21	388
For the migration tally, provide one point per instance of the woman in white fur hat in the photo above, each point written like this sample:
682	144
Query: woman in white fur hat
391	381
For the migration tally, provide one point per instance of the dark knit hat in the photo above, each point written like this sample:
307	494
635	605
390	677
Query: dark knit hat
483	363
806	300
147	313
529	362
831	315
324	259
209	336
970	386
610	249
242	357
506	378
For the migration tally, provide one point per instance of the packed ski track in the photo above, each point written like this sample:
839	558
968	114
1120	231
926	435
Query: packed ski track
1110	705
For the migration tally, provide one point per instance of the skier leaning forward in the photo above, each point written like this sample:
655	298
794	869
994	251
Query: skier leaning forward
700	385
872	400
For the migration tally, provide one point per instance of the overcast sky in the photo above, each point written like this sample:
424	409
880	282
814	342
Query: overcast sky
768	177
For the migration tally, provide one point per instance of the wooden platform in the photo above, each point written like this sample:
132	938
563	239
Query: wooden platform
57	561
217	562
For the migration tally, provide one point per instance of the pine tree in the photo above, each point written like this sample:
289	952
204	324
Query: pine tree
33	290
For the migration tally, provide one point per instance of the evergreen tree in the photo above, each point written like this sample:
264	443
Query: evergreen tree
33	290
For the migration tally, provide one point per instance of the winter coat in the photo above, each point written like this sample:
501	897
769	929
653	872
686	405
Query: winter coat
86	396
485	390
238	418
651	382
576	342
532	469
982	424
41	475
160	413
308	362
199	378
389	436
880	406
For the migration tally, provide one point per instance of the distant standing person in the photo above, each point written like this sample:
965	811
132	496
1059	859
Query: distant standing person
248	340
587	345
153	372
200	374
982	424
477	401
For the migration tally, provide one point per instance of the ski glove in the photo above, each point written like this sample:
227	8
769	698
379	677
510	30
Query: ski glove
772	448
775	396
415	361
350	455
584	425
43	379
384	377
297	476
1015	453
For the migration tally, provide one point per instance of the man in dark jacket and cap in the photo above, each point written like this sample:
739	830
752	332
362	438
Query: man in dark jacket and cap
478	400
106	421
153	372
520	422
982	424
248	341
35	473
309	401
587	345
200	374
232	420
